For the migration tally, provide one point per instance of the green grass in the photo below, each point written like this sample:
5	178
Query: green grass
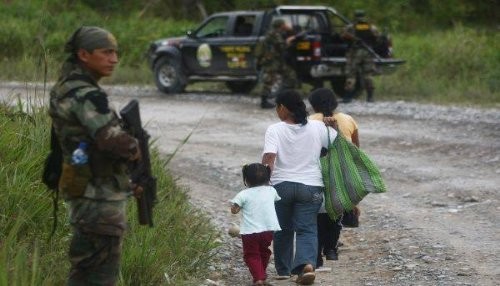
458	66
179	246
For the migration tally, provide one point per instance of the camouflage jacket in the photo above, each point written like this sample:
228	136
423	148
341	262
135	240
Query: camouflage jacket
96	192
273	51
80	112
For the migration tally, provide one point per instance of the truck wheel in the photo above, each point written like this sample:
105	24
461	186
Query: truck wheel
241	86
168	75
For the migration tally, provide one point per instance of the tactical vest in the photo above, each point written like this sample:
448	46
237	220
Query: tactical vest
69	130
104	169
363	31
273	51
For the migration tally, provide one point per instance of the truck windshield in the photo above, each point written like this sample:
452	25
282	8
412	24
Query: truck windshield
215	27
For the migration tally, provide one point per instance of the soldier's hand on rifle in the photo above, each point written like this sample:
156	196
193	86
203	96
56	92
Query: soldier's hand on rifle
136	154
137	190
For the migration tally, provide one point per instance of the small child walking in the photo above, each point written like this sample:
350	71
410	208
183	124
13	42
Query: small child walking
259	219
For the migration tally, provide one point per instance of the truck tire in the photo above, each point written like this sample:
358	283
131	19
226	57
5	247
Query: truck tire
169	77
241	86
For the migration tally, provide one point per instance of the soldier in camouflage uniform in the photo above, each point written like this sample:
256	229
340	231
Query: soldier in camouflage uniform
359	59
96	192
273	62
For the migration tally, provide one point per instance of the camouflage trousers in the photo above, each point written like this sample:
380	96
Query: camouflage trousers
96	245
95	259
274	80
359	63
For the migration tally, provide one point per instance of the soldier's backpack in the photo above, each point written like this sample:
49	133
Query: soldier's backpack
53	163
52	170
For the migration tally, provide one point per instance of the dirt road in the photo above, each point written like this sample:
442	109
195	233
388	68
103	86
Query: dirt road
438	224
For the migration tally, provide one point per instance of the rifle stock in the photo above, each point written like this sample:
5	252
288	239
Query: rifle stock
140	171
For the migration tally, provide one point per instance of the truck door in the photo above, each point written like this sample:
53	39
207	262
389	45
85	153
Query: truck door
223	45
239	46
201	52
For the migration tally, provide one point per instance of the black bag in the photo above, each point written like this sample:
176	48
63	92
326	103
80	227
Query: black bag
53	163
52	170
350	219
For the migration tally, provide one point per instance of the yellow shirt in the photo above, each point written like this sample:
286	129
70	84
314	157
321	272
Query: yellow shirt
347	125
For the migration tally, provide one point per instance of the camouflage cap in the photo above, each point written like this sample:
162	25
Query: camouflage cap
90	38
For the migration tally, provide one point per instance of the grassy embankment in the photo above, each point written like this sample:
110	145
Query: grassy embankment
176	250
180	245
451	66
457	66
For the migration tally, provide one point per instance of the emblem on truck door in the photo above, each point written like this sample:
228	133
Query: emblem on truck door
204	55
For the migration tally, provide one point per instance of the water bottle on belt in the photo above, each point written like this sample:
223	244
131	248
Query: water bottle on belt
80	156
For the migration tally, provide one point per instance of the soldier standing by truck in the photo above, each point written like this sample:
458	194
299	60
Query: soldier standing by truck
95	184
362	36
271	57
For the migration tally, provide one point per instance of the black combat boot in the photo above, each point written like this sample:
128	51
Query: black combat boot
332	255
369	96
348	96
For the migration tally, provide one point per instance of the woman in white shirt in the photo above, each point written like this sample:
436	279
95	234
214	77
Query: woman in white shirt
292	149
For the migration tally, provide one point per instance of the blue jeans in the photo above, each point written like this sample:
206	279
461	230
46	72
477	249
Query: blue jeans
297	211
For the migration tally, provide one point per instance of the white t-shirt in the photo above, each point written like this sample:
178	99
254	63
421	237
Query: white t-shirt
257	207
297	148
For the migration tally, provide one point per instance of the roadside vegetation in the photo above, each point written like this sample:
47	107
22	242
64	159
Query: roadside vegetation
177	249
454	66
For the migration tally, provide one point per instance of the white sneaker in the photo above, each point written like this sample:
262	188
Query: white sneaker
323	269
282	277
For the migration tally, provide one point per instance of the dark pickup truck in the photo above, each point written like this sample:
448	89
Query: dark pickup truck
222	49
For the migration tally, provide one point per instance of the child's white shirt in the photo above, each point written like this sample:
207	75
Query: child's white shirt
257	208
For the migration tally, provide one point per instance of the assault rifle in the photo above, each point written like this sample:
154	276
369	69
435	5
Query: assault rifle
140	171
367	47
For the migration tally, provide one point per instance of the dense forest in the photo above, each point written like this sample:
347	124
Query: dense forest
400	14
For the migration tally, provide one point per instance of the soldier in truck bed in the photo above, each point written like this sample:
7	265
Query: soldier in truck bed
271	58
359	60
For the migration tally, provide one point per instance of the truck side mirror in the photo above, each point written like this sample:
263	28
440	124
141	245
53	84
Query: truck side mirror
190	34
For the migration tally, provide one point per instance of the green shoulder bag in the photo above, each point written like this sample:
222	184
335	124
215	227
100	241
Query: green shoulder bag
349	175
